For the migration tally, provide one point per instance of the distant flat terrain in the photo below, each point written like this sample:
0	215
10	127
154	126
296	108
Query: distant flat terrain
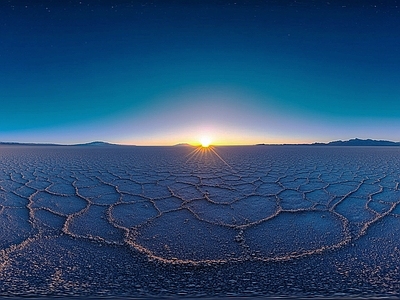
199	222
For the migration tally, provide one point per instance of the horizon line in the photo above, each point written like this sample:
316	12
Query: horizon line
183	144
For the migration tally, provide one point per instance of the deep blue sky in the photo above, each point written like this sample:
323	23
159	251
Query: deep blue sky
165	72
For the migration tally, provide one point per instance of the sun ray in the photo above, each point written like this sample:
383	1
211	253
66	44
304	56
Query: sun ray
215	152
202	152
193	154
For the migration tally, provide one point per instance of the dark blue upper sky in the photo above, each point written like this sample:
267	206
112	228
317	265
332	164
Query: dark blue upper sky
164	72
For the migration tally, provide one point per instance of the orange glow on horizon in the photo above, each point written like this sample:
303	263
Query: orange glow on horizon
216	139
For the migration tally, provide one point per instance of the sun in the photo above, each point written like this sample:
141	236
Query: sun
205	141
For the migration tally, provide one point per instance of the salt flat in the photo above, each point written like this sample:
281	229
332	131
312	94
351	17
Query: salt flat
222	221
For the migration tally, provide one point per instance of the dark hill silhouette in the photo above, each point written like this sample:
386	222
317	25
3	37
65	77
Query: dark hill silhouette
97	144
359	142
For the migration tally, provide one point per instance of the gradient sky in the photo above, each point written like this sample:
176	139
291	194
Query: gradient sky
167	72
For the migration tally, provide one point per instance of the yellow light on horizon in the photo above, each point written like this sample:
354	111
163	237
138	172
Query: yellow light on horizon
205	141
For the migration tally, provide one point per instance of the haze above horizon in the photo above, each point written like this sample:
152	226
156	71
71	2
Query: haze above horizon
168	72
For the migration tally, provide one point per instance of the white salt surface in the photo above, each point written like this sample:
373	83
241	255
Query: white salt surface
151	221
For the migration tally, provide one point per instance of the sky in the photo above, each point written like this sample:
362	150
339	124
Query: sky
169	72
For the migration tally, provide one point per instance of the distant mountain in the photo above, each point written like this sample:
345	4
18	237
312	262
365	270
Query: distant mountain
359	142
351	142
97	144
94	144
27	144
183	145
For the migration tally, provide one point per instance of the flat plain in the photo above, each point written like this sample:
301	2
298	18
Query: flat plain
287	221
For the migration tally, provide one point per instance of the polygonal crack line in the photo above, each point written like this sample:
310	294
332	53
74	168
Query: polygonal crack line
238	227
31	211
240	239
114	223
347	195
5	253
65	228
130	240
370	200
89	237
367	224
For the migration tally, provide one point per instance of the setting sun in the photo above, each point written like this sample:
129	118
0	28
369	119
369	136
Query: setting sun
205	141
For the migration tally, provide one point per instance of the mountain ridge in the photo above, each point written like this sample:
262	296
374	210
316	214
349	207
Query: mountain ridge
90	144
351	142
359	142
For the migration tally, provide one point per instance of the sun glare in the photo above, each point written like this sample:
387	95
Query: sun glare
205	141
